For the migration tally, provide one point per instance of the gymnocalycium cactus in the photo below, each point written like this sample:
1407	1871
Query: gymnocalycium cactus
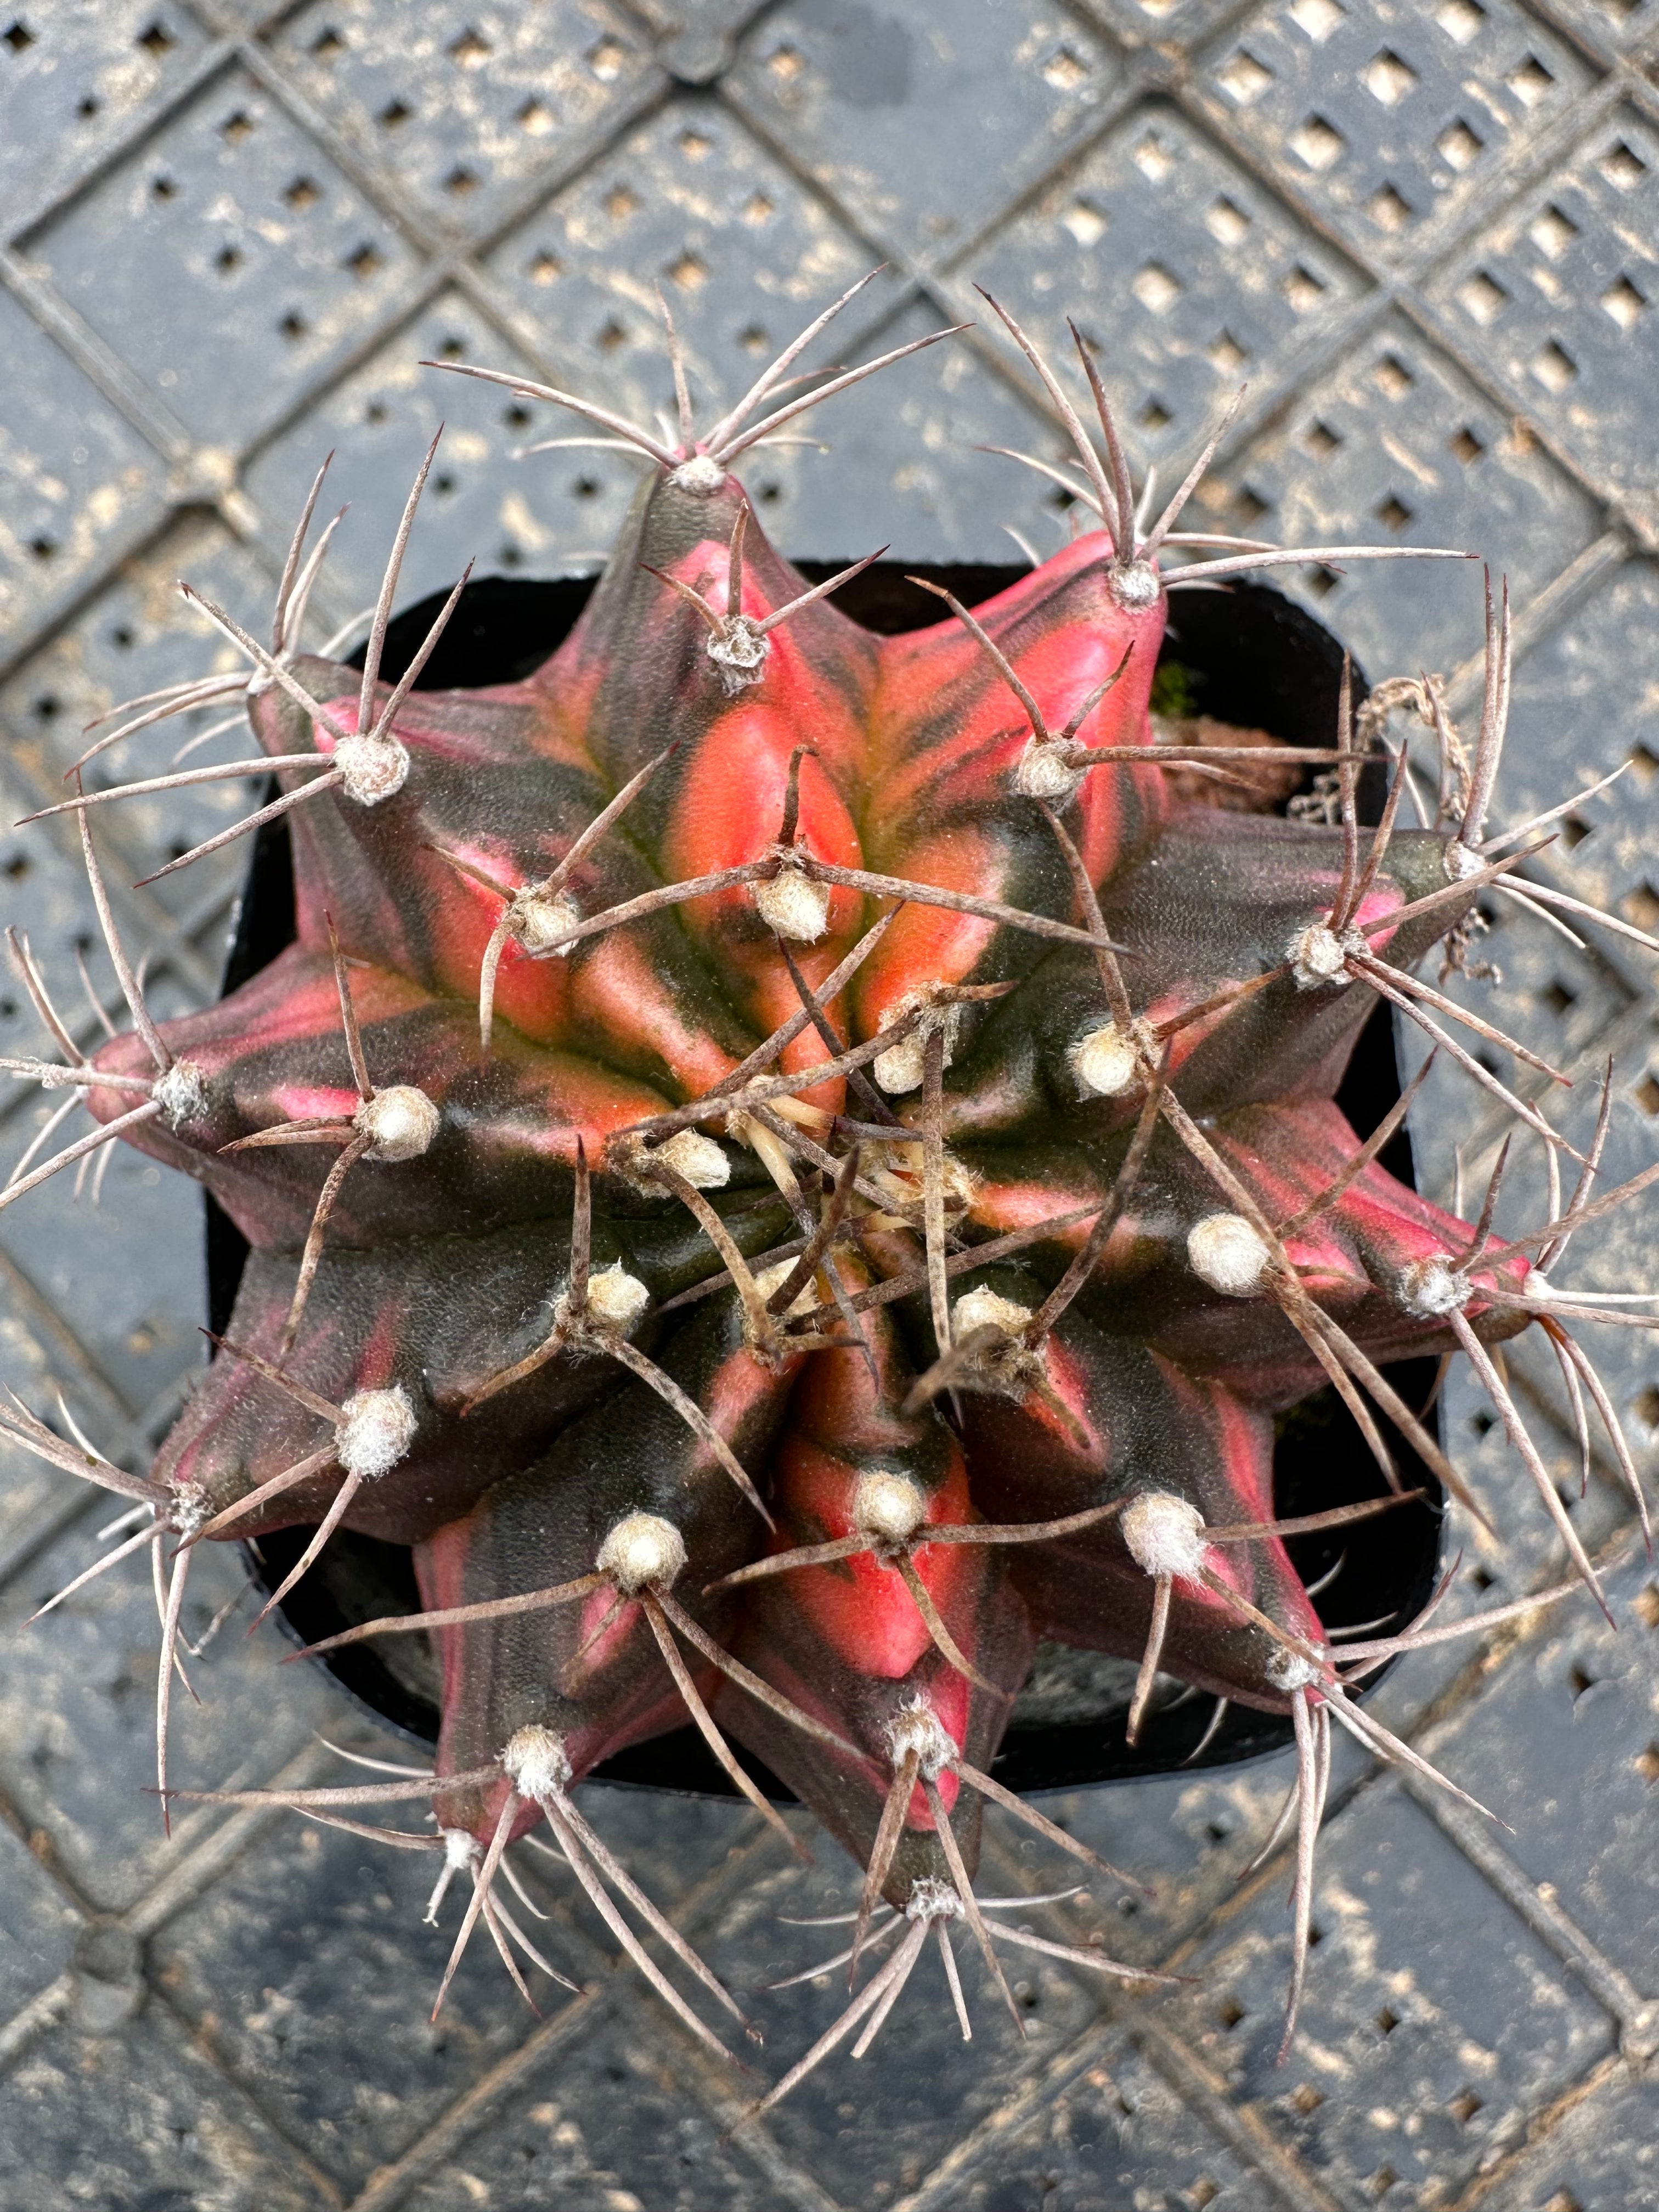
787	1165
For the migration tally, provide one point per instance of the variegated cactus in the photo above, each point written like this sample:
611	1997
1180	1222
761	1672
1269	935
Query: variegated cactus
788	1165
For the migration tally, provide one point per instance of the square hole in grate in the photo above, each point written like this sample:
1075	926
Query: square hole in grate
1227	221
1392	377
1382	2181
1086	223
1647	1407
1225	354
1460	146
1321	441
1154	416
1641	906
472	50
1388	79
1556	997
1553	366
1393	513
1063	71
1562	2201
1646	1606
1230	2011
1464	2106
1387	2021
1552	232
1316	143
1531	83
1482	298
1243	78
1647	1097
1460	19
1466	446
1622	167
1389	210
1624	303
1155	288
1307	2098
1302	289
1317	18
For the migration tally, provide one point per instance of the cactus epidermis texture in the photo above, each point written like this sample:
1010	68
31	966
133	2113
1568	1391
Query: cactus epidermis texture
787	1165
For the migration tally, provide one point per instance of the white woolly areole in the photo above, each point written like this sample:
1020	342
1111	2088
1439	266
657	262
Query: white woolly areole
371	768
460	1848
915	1727
699	475
1289	1670
536	1765
697	1158
903	1067
615	1299
1428	1289
641	1552
738	652
1228	1254
985	1309
401	1119
1105	1062
1460	863
773	1278
378	1429
1164	1535
1135	585
179	1092
1044	771
932	1899
889	1506
188	1509
536	921
1318	956
792	904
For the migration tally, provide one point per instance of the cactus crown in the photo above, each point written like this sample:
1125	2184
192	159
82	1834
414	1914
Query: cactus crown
786	1165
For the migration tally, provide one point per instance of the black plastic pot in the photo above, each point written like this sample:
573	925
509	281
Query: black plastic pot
1253	659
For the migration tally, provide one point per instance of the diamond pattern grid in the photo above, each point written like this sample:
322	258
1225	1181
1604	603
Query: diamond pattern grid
76	490
1397	446
1388	119
533	516
76	75
241	208
688	194
1555	298
278	264
1191	278
468	105
840	82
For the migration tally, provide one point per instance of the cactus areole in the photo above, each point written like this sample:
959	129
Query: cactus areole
789	1165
